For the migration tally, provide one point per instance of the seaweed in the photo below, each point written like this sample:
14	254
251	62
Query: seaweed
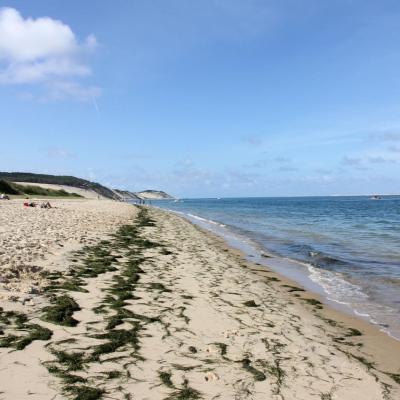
353	332
250	303
187	393
165	378
258	375
72	361
293	288
116	340
316	303
223	347
61	310
113	374
84	392
36	332
158	286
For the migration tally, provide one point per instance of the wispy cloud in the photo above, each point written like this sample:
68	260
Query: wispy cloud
351	161
61	90
385	135
282	160
391	136
59	152
252	140
381	160
287	168
44	52
394	149
136	156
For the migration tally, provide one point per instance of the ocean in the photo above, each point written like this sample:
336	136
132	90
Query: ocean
347	249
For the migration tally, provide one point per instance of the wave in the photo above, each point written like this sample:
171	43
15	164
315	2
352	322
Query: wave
209	221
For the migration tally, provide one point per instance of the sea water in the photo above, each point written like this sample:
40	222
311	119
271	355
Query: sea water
345	248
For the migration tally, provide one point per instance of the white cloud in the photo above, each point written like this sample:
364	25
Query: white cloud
42	51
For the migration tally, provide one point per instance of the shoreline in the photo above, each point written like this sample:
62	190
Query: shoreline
161	309
378	342
292	269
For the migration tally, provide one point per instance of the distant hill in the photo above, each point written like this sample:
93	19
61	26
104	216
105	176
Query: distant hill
64	185
126	194
63	180
153	195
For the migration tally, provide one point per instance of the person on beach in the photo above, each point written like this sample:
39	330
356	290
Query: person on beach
29	204
46	205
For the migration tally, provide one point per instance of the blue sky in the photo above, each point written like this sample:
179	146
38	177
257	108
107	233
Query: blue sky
204	98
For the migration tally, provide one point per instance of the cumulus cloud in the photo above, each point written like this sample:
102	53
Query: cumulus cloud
43	51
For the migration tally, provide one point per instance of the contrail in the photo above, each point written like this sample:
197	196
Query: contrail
95	105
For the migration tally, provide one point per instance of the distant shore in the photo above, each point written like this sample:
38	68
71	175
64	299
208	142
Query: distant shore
108	299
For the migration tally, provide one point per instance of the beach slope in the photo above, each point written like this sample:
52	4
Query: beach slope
154	308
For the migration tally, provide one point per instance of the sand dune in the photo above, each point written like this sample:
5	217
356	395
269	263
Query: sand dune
86	193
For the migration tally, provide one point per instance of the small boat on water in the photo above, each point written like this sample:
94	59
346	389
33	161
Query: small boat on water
375	197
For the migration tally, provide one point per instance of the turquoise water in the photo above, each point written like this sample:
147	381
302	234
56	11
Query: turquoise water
348	246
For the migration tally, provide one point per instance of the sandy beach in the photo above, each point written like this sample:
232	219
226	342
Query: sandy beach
102	299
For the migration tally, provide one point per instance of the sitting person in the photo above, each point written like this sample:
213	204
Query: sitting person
45	205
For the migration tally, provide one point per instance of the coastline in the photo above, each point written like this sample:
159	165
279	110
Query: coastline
330	285
384	349
207	322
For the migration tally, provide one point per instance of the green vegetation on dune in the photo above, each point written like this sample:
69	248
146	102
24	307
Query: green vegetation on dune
8	188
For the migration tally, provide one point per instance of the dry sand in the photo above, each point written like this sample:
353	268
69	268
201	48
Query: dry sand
86	193
31	237
206	323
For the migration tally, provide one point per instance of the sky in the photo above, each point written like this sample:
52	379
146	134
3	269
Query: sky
211	98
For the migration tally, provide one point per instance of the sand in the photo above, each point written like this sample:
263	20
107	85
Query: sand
86	193
204	323
30	237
